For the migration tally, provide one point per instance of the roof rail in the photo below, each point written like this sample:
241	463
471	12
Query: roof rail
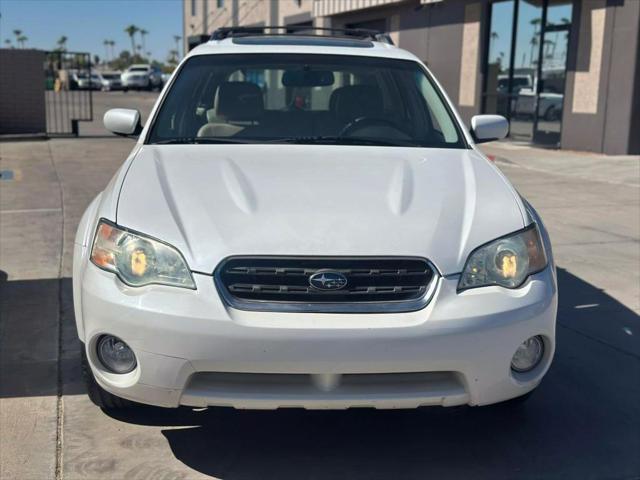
360	33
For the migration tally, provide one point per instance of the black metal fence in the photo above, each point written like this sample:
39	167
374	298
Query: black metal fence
68	91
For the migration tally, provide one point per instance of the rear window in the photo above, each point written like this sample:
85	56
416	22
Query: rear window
294	98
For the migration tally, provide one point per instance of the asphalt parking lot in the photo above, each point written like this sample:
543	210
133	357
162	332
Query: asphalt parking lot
583	422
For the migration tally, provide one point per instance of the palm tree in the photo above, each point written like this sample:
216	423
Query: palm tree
62	43
112	44
17	33
176	38
105	42
536	23
173	55
131	30
492	38
533	43
143	33
8	43
22	39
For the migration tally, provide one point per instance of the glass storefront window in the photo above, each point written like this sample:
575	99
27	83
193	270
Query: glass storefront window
526	85
525	72
499	57
554	71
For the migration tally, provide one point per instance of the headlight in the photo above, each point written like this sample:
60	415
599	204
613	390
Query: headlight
506	262
138	260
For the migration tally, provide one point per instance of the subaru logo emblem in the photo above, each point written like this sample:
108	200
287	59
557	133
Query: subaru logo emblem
328	280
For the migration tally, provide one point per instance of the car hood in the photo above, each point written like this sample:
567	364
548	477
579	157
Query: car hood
212	201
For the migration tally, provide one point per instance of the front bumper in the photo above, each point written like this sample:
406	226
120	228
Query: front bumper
194	350
112	85
135	82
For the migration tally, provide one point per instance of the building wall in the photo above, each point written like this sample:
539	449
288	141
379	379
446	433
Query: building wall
254	12
243	12
602	78
22	83
290	12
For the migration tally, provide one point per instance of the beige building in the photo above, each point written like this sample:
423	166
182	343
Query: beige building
204	16
565	72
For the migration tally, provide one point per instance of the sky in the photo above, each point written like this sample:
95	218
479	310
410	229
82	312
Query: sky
87	23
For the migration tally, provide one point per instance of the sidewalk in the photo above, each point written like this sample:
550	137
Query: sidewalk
614	169
41	203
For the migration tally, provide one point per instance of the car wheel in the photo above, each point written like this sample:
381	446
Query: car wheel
550	115
125	89
98	395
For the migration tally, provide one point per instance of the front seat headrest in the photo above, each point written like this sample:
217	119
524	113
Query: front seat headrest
240	101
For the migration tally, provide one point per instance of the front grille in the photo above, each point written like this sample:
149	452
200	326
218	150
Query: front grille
373	284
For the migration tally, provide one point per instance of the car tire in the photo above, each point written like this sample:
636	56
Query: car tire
98	395
550	114
125	89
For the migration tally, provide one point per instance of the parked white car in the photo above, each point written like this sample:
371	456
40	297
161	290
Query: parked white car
549	105
111	81
307	222
141	77
87	81
166	77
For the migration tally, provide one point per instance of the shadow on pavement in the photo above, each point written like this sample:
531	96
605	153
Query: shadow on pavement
582	422
30	334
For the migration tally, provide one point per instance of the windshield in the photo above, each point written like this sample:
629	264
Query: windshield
295	98
138	69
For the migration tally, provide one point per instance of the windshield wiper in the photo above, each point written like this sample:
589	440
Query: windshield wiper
201	140
309	140
336	140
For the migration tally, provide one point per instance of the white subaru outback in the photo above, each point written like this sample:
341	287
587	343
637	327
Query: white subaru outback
305	221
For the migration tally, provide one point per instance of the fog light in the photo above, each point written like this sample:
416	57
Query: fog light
115	355
528	355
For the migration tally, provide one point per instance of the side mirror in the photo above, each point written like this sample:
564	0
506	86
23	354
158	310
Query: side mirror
486	128
123	121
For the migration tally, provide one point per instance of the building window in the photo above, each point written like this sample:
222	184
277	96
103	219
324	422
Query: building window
299	3
525	67
193	8
219	3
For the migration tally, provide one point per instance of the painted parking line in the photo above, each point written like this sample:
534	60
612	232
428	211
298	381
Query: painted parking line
31	210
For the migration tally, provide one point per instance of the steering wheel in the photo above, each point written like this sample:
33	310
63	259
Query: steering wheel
363	122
